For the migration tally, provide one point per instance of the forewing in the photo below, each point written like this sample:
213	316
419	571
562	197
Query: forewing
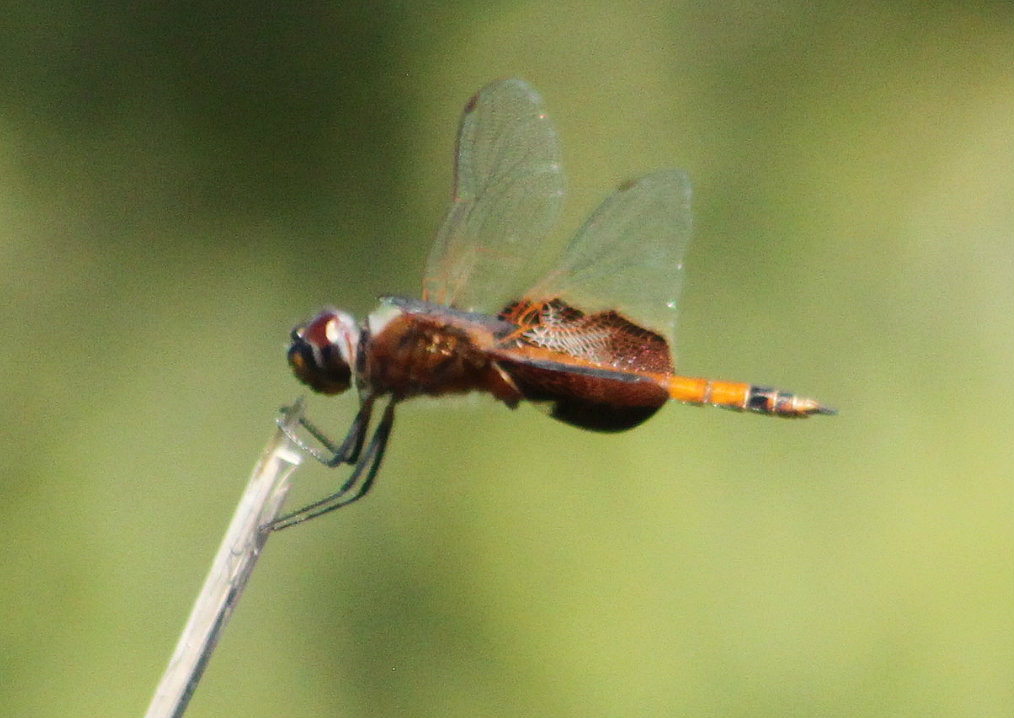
628	256
507	194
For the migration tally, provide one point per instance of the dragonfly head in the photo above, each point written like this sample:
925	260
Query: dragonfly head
323	351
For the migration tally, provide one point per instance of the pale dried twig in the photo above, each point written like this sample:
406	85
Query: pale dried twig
260	503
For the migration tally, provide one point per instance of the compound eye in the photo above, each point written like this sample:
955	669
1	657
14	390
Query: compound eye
319	352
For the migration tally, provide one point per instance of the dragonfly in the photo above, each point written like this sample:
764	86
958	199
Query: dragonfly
590	341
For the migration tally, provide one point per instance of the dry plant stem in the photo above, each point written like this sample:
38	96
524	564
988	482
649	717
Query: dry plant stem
260	504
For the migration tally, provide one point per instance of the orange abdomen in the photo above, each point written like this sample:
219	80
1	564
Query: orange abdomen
741	396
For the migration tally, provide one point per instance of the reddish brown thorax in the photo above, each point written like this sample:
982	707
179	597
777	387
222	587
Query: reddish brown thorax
431	352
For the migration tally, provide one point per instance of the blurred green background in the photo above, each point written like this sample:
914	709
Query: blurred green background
181	182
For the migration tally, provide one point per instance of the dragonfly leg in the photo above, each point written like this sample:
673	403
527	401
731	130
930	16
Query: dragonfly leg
351	446
356	486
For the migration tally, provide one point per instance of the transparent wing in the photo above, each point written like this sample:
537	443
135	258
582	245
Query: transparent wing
628	256
507	194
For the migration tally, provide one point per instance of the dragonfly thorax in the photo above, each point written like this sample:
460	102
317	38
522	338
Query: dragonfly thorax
323	351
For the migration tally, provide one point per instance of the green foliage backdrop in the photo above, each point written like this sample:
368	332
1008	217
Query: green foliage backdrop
181	182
